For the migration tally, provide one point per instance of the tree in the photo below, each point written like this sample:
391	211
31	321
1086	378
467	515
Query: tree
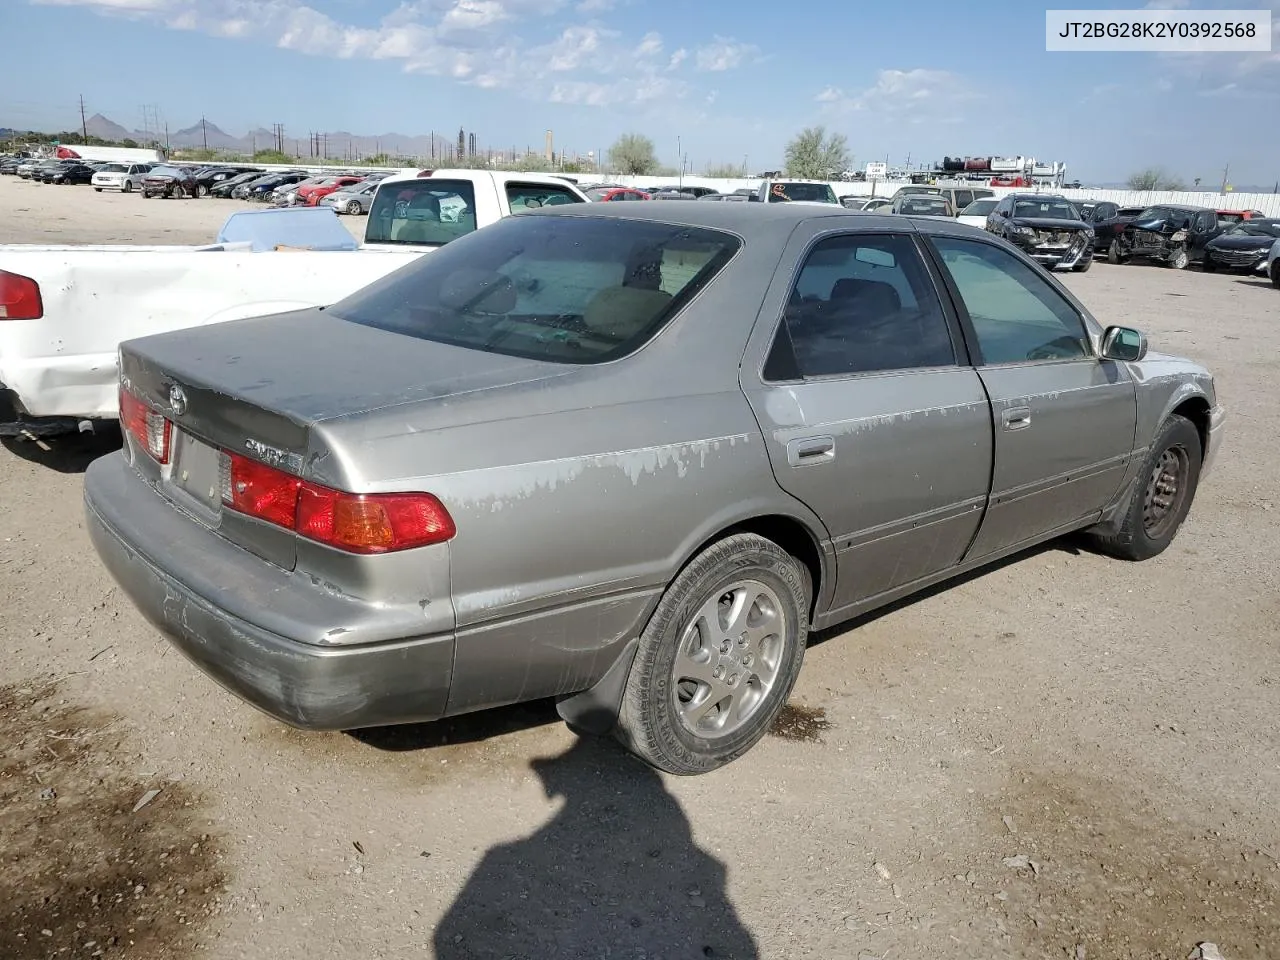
1155	178
633	154
724	171
814	155
271	156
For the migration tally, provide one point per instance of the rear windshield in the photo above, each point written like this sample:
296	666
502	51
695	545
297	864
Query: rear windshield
924	206
560	289
820	192
422	212
1256	228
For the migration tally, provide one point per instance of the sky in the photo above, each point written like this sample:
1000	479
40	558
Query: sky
718	82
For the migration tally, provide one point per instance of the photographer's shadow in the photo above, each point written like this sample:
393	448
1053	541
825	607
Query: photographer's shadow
614	874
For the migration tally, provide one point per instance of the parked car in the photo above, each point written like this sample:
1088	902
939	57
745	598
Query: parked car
976	213
1171	234
961	197
916	189
1228	217
864	203
695	192
26	170
614	194
346	515
72	173
210	177
45	171
1243	247
353	200
311	195
1047	226
9	166
260	191
1273	264
226	187
125	177
921	205
168	181
1107	220
796	191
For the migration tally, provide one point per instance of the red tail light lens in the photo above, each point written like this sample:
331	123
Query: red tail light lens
260	491
355	523
150	429
372	523
19	297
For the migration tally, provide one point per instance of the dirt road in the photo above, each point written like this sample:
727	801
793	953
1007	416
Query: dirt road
1064	756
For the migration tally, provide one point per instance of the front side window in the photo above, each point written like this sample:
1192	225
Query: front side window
111	168
1016	315
424	212
864	303
560	289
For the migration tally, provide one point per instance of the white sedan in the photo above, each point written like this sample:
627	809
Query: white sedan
976	213
125	177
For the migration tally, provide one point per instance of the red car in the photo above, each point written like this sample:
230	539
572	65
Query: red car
606	194
310	195
1238	216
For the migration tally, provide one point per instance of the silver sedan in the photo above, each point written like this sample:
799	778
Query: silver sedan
626	456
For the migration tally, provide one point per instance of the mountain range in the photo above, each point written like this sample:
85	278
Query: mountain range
333	143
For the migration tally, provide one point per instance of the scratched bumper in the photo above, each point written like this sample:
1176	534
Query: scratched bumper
241	619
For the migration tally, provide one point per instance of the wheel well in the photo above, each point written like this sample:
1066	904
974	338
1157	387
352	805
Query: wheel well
788	533
1196	410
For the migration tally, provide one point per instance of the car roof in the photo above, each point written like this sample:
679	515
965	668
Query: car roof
736	217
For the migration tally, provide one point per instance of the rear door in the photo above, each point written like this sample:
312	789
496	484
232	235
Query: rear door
872	414
1065	419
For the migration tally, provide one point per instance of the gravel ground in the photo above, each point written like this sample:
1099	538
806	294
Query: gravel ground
1064	756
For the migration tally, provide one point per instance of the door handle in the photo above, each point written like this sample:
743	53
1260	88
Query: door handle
809	450
1016	418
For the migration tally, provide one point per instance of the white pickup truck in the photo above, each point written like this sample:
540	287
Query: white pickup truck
64	310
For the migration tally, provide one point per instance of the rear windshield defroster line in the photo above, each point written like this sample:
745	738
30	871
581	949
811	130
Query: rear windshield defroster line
574	290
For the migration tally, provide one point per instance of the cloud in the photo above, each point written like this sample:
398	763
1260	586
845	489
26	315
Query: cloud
918	94
723	53
477	42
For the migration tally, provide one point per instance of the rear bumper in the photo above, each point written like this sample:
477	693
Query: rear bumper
66	388
183	580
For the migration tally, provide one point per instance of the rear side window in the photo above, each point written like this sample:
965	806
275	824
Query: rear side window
422	212
864	303
562	289
531	196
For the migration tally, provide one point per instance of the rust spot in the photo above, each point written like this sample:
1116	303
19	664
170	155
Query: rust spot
800	723
81	873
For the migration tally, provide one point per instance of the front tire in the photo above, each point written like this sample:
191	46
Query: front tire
1113	253
1083	267
177	192
128	187
1178	261
718	658
353	208
1162	495
201	191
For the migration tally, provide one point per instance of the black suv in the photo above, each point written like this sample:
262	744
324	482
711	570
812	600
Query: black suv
1107	220
1047	226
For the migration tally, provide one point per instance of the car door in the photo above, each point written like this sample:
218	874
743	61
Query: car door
871	412
1205	227
1064	418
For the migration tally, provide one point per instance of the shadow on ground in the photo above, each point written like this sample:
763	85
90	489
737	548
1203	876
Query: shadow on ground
615	873
68	453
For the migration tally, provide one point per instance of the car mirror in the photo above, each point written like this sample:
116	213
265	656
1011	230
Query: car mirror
1123	343
875	257
1005	214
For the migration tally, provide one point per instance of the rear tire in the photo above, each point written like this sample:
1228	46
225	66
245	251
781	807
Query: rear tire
128	187
354	208
697	697
1162	494
1113	252
201	190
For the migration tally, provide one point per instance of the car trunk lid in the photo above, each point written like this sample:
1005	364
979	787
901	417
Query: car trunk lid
260	388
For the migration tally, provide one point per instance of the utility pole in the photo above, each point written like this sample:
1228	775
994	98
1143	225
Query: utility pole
84	126
1225	171
204	135
166	139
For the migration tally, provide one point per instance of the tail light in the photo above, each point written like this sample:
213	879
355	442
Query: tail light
19	297
149	428
352	522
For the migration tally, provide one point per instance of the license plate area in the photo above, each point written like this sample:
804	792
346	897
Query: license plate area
198	476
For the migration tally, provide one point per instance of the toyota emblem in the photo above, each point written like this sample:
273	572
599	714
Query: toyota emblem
177	400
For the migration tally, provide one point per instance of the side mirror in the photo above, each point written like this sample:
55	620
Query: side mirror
1005	214
1123	343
